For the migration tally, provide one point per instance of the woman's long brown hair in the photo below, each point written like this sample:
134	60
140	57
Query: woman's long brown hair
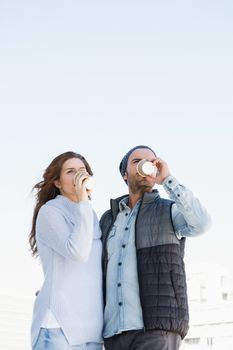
46	189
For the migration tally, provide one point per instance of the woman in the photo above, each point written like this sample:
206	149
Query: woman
68	311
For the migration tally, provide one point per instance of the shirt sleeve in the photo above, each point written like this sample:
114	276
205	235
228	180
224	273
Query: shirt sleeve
189	217
53	231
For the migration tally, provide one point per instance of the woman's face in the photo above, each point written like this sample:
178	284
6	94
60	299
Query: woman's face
65	184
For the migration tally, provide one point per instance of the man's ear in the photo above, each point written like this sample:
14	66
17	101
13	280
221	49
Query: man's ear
57	184
125	177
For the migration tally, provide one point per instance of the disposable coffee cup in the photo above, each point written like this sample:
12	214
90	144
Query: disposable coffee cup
89	182
146	168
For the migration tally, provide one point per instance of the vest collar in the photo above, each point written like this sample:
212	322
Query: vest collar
147	198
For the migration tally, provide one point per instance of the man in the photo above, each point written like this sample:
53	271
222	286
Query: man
143	243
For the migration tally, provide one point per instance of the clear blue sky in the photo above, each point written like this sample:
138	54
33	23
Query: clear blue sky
99	77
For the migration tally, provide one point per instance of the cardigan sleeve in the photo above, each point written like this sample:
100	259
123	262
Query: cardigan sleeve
53	231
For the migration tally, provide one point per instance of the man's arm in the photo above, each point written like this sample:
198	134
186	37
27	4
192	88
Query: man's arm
189	216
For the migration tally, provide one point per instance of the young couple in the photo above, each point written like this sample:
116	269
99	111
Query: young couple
121	283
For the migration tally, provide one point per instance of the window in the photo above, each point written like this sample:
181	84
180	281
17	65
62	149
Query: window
192	341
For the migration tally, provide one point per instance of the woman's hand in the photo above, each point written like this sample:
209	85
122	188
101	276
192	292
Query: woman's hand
80	188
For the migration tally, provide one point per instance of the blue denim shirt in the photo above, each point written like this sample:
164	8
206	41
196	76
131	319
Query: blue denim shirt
123	309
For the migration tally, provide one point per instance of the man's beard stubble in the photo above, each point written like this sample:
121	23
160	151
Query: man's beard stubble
139	187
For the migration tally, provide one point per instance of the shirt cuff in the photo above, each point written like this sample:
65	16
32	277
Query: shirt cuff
170	183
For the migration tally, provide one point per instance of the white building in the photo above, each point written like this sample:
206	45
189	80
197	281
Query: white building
210	293
15	320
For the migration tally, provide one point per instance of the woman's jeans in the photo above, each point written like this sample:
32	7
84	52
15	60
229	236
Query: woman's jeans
54	339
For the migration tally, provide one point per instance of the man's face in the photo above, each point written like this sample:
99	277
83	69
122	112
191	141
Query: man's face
135	182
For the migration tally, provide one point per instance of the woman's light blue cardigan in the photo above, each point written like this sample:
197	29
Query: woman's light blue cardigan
69	246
